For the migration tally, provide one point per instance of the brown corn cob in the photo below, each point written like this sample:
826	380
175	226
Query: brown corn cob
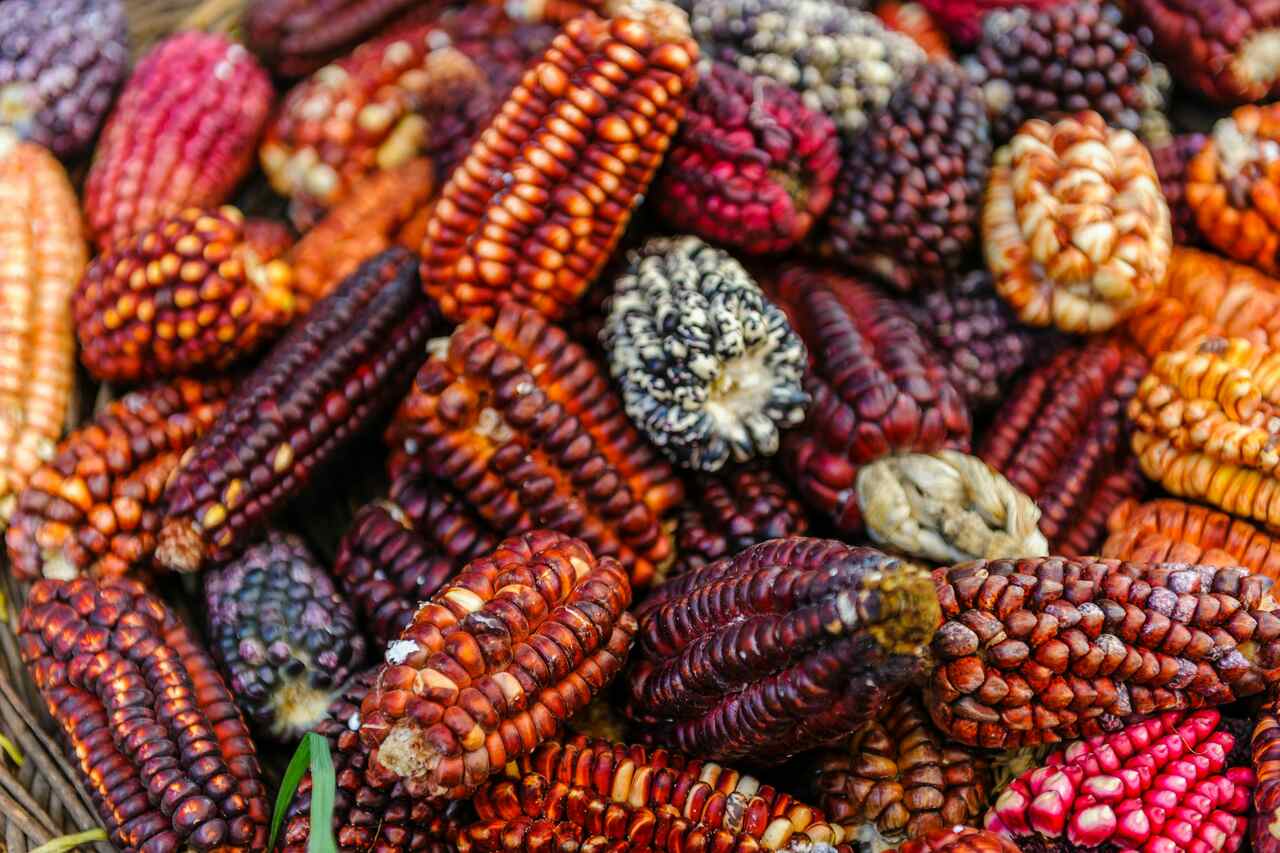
1169	531
592	795
495	662
192	293
524	426
1061	439
159	743
365	223
877	388
401	550
1039	650
1264	826
42	255
897	774
960	839
321	384
94	509
788	645
534	212
181	135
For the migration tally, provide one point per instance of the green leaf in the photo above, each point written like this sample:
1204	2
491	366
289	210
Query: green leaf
288	785
323	790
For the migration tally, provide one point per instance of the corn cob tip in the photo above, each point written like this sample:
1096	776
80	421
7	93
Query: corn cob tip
179	547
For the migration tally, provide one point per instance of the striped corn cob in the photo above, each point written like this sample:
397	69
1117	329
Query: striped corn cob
321	384
182	135
192	293
42	255
524	427
1264	825
536	209
154	732
1169	531
94	508
495	662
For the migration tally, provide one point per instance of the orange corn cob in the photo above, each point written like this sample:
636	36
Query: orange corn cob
42	255
914	20
1169	531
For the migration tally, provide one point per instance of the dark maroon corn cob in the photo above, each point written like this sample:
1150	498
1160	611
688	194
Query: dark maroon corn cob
401	550
351	358
146	718
789	645
1171	161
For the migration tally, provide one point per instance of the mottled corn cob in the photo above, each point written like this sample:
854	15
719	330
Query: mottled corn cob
495	662
1169	531
877	388
191	293
369	220
94	508
525	428
322	383
182	135
1040	650
914	20
959	839
1061	439
1264	826
401	550
147	721
790	644
896	778
592	795
42	254
542	199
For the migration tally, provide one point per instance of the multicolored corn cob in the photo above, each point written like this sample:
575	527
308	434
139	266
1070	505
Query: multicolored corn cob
524	427
1169	531
786	646
1041	650
182	134
154	732
495	662
1264	825
536	209
322	383
94	508
915	21
962	19
42	255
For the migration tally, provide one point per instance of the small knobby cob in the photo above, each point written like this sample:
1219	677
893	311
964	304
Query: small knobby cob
877	388
1041	650
1264	826
593	795
401	550
1171	161
495	662
336	371
192	293
537	207
786	646
154	732
752	167
914	20
1207	296
1170	531
959	839
1164	783
524	427
94	508
1060	438
898	775
181	135
1074	226
42	255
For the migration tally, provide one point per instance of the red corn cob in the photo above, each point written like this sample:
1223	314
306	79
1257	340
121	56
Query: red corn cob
959	839
182	135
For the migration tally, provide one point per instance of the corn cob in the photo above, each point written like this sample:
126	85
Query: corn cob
788	645
1264	826
495	662
1169	531
542	199
914	20
368	221
94	508
182	135
959	839
524	427
552	11
896	777
593	795
321	384
1171	161
147	721
1039	650
191	293
43	254
876	384
401	550
1060	438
